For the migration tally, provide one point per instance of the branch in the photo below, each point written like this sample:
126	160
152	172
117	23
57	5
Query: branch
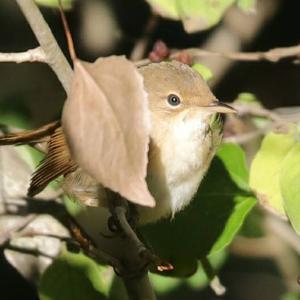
272	55
135	266
33	55
258	111
139	288
278	121
141	45
54	56
25	250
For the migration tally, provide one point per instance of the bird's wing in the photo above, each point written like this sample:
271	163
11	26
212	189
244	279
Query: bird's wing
57	162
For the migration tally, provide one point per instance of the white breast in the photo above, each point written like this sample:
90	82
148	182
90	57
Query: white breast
176	170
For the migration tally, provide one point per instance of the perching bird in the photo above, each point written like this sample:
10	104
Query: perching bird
186	131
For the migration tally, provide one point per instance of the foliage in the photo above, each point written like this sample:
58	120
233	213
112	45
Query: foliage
67	4
94	105
204	71
275	172
289	185
185	239
71	277
182	241
224	200
197	15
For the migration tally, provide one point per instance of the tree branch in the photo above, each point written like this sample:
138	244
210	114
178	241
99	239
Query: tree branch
54	56
139	288
33	55
272	55
278	121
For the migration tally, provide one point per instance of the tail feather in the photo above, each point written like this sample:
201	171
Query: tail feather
57	162
30	136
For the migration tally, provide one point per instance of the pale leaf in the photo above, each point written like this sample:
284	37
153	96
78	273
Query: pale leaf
107	124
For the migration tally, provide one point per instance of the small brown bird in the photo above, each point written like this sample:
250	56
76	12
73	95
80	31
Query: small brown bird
185	133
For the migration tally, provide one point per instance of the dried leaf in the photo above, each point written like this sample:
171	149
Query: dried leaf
106	122
31	237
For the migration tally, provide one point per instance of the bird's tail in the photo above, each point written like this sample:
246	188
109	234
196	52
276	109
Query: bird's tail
30	136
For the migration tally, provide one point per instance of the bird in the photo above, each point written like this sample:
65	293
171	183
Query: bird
186	130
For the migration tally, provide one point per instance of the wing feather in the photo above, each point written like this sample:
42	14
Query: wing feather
57	162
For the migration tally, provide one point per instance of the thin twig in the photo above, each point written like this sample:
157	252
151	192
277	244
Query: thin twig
272	55
25	250
141	45
284	231
5	236
277	121
33	55
244	137
54	55
215	282
258	111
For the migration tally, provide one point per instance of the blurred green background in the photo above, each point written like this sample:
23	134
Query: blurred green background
32	92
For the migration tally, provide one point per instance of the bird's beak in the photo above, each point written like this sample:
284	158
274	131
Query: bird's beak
220	107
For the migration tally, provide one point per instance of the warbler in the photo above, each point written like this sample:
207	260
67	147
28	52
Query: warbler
185	132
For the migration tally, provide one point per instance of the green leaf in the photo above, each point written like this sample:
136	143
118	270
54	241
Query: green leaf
234	160
209	224
290	185
200	279
247	98
72	277
66	4
204	71
164	285
247	5
266	167
196	15
290	296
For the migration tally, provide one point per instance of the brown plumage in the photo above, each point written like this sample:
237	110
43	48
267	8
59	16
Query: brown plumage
57	161
182	110
30	136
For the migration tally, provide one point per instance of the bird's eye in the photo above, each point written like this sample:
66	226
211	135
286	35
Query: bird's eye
173	100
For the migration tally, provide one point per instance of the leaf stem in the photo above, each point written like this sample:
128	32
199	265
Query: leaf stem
214	280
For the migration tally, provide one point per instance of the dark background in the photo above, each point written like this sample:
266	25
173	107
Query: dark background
33	90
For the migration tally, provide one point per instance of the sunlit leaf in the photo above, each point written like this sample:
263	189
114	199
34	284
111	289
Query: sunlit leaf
247	5
266	168
107	137
234	160
290	185
290	296
204	71
247	98
196	15
66	4
210	222
72	277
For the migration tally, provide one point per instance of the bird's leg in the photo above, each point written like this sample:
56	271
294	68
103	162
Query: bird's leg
82	240
123	220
